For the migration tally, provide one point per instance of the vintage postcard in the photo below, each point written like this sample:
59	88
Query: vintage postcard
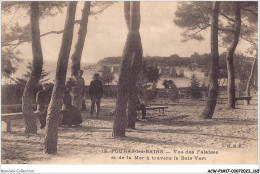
140	82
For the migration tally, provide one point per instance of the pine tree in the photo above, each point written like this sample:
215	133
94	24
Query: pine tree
51	134
167	84
129	71
107	76
213	73
34	78
195	90
173	92
21	81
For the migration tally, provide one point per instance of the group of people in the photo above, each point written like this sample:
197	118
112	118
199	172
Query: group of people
73	100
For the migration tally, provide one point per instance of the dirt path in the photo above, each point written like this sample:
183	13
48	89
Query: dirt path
162	138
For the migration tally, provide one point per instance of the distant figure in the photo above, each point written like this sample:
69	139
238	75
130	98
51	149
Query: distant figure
78	91
71	115
83	106
141	106
43	98
95	92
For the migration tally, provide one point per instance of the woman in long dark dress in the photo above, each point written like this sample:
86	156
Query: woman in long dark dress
71	115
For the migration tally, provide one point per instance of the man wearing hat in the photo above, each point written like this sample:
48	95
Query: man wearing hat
95	92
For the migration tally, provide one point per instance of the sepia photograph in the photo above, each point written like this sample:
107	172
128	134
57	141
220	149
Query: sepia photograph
129	82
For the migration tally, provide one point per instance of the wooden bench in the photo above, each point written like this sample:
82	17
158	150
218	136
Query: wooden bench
246	99
14	108
222	99
156	107
7	119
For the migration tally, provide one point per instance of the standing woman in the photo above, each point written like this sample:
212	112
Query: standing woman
95	93
79	90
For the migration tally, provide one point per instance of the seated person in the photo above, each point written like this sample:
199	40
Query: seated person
83	106
141	106
71	115
43	98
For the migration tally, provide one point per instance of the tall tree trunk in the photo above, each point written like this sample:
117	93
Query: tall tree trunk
231	82
51	136
250	79
28	94
132	109
213	86
130	67
135	65
230	59
76	56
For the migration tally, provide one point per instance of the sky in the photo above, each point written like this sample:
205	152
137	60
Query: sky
107	33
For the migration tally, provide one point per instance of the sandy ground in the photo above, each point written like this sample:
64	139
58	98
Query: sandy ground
178	136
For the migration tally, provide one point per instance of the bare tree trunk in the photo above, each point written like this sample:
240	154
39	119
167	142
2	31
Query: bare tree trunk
130	67
230	58
213	86
231	83
250	79
249	83
132	110
51	136
135	66
28	94
76	56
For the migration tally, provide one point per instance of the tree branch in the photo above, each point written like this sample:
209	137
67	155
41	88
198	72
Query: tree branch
226	30
201	29
192	35
52	32
19	42
15	45
250	40
102	9
14	14
222	14
254	13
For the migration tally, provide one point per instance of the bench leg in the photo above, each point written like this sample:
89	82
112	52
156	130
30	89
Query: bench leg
246	102
143	113
6	126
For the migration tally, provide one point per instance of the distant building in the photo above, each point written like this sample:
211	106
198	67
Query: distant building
180	72
167	71
114	68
